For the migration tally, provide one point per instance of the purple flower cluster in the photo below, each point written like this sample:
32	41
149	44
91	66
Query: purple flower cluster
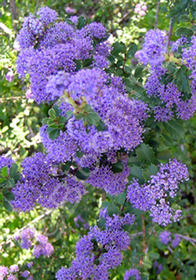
122	117
47	48
42	247
112	183
13	273
154	48
30	238
132	272
100	250
165	238
189	54
179	43
172	100
39	184
5	161
34	27
153	196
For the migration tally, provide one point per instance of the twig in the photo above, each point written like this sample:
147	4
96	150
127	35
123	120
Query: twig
190	239
144	233
13	12
169	34
124	16
157	13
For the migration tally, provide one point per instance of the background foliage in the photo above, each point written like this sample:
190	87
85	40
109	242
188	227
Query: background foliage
20	120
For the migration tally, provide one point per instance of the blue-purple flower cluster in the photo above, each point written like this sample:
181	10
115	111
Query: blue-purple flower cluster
5	161
172	102
132	272
165	238
41	184
100	250
154	195
14	272
51	58
48	46
29	238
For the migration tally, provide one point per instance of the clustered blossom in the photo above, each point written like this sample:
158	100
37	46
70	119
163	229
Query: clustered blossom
40	184
179	43
132	272
5	161
112	183
172	101
121	116
165	238
29	238
14	273
153	196
154	48
51	59
100	250
47	48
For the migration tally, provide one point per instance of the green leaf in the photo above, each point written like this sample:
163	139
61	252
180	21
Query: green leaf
138	70
8	195
69	114
81	22
4	172
118	47
182	80
119	199
7	206
117	167
145	153
153	255
53	133
83	173
101	223
184	31
136	172
150	170
93	118
132	48
101	126
52	113
174	128
13	170
10	183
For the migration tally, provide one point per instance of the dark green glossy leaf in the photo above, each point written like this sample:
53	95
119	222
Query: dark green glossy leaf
53	133
7	206
132	48
185	32
83	173
118	47
81	22
117	167
145	153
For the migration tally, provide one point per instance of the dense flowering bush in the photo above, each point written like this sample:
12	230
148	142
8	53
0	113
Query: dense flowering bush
94	136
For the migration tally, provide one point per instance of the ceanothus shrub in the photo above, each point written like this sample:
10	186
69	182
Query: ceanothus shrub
94	131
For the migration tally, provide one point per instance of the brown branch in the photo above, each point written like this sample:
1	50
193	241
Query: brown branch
169	34
157	14
144	234
13	12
